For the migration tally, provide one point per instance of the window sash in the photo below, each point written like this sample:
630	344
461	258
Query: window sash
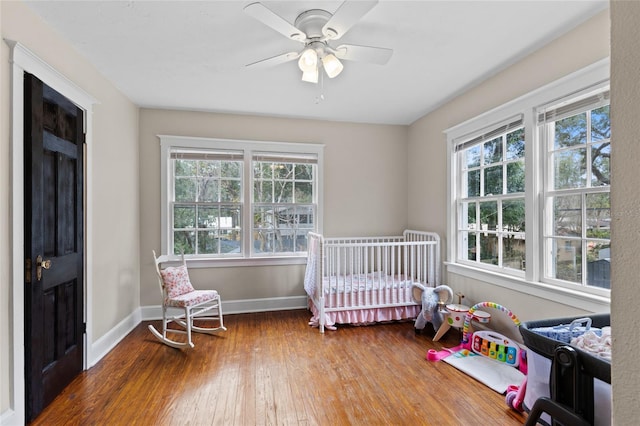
566	258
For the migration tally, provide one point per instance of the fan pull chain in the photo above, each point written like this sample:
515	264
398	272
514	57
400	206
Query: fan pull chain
320	97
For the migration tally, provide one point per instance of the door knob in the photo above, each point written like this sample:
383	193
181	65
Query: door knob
40	263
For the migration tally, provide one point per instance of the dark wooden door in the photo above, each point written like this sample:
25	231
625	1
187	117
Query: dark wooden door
54	258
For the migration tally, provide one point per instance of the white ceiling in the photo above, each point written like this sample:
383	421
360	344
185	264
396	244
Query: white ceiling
192	55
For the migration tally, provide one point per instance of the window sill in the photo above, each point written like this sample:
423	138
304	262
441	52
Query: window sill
238	262
587	301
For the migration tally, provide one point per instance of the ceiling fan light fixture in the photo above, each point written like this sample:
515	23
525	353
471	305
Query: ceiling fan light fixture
308	61
332	65
310	76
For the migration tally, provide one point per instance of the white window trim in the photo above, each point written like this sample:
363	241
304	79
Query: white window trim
595	75
169	141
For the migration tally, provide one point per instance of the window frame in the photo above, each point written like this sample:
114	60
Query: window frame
532	281
249	149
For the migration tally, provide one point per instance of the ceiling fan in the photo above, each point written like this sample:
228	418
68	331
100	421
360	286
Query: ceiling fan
315	28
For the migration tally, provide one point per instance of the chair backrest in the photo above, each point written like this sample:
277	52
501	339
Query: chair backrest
157	260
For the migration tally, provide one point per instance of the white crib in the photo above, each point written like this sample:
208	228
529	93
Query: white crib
368	279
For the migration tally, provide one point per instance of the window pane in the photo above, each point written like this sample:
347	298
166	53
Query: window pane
207	217
600	124
230	191
488	215
185	189
209	168
489	248
470	244
283	192
185	167
304	192
513	215
570	169
231	169
283	171
472	156
230	241
207	242
598	216
600	168
184	242
493	180
208	190
184	217
230	217
473	183
305	218
567	255
567	216
304	172
263	218
468	216
262	170
263	191
598	264
515	145
571	131
513	251
515	177
301	240
493	151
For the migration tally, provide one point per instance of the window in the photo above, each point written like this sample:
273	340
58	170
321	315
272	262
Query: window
491	204
529	191
231	200
577	222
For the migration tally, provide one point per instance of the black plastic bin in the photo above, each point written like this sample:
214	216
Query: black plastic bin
567	378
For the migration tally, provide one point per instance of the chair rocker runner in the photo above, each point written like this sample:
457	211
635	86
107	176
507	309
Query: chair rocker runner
178	293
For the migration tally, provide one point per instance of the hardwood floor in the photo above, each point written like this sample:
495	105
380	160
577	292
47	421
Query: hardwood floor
272	368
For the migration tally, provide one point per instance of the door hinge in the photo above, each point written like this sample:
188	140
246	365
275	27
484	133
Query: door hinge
84	328
27	271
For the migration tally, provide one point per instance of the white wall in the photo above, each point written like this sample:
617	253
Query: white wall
625	208
584	45
364	189
113	190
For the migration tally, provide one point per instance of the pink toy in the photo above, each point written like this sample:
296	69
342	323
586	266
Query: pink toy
515	396
433	355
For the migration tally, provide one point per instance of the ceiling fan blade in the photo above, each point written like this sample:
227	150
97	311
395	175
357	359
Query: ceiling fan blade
372	55
275	60
346	16
270	19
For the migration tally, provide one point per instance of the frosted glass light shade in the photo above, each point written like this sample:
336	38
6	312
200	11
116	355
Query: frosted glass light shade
332	65
308	60
310	76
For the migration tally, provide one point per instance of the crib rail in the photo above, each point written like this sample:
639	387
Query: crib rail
370	272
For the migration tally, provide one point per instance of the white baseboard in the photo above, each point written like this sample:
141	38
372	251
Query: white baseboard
9	418
154	312
104	344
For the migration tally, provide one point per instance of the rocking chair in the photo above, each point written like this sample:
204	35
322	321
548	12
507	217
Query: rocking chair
178	293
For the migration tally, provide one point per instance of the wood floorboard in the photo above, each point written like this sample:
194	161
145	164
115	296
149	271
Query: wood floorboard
271	368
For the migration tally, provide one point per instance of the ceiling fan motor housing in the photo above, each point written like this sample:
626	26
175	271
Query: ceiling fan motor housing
311	23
